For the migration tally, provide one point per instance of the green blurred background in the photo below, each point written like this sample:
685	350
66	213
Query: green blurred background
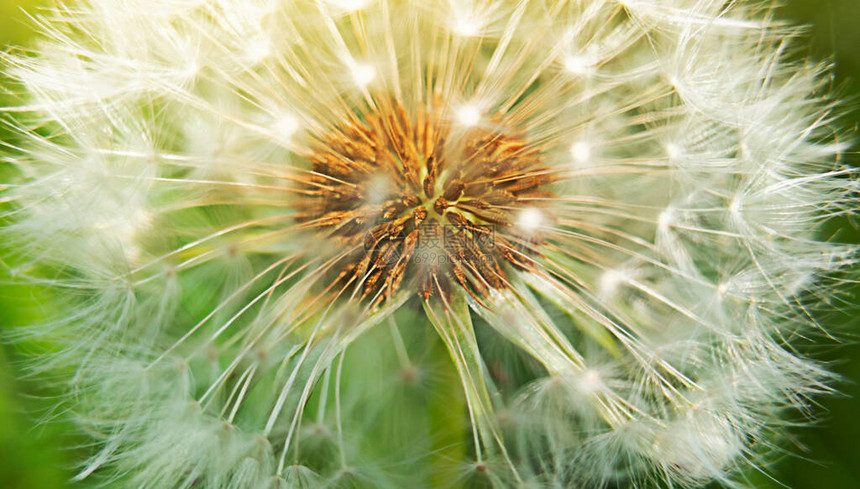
822	456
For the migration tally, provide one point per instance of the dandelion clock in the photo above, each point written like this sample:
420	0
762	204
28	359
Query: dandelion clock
421	243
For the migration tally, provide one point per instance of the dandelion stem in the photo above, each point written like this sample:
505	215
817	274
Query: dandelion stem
454	326
446	409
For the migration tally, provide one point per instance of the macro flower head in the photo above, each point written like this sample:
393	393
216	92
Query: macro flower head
421	243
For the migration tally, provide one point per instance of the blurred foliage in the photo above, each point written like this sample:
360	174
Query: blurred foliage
823	455
14	25
29	457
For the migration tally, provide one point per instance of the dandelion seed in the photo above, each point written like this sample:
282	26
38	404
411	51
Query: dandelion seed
284	127
530	220
466	26
578	65
673	151
581	152
468	115
363	74
610	280
349	5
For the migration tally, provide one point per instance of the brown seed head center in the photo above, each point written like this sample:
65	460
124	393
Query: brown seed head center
418	198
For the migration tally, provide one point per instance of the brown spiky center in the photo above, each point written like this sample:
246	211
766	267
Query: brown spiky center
417	198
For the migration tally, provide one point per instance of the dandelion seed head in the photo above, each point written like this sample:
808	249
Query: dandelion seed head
445	193
590	227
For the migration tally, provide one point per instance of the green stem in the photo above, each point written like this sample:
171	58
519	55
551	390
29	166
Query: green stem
454	327
447	410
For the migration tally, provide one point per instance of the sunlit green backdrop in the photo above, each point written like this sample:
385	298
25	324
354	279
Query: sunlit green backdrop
824	456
